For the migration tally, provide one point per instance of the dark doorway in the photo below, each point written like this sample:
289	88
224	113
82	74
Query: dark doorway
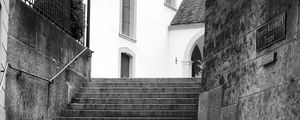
125	65
196	59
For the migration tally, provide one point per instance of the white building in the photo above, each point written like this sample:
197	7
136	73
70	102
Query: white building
146	38
4	12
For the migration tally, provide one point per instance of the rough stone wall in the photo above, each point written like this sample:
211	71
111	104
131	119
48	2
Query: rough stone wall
3	52
252	91
37	46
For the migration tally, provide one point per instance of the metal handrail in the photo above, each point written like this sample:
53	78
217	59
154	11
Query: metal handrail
17	69
4	73
9	66
48	80
51	80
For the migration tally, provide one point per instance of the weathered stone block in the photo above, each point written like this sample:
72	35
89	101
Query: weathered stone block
235	28
229	113
295	69
231	89
209	80
227	58
247	45
292	100
35	62
215	103
208	49
277	103
27	96
209	2
225	41
203	106
22	23
291	22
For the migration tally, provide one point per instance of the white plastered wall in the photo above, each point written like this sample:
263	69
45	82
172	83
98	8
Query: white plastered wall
3	52
151	44
182	40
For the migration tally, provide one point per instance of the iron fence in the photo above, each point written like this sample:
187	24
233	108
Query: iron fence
57	11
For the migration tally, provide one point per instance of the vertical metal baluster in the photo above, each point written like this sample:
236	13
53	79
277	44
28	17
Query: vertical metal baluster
57	11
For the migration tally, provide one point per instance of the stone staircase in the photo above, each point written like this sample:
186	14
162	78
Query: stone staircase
136	99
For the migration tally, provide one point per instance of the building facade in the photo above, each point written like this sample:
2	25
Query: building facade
186	40
138	38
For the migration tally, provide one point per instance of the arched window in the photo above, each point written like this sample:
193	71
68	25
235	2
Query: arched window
127	62
125	65
197	62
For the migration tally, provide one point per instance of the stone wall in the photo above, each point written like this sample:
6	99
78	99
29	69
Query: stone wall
37	46
3	52
252	90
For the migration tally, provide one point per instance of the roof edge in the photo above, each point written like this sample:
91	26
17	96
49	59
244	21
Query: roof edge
186	26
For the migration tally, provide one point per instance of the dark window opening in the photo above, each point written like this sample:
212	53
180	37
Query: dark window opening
196	59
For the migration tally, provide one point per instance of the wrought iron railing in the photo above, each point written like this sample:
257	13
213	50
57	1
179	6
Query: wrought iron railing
57	11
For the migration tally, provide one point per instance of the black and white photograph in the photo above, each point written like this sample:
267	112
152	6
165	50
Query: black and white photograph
149	59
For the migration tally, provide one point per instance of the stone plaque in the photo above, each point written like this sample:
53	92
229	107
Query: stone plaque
269	58
271	32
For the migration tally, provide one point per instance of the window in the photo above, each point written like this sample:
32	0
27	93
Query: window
171	4
126	62
197	64
125	65
127	27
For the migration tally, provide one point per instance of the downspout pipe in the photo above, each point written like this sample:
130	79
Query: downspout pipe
88	23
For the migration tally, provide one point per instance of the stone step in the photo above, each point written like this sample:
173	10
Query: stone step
141	84
140	95
128	118
139	89
129	113
133	106
135	100
151	80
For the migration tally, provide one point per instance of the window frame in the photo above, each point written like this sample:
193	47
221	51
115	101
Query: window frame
128	51
132	23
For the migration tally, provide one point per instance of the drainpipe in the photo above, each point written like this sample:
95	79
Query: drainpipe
88	23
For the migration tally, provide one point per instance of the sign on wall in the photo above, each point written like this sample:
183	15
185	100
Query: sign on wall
271	32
